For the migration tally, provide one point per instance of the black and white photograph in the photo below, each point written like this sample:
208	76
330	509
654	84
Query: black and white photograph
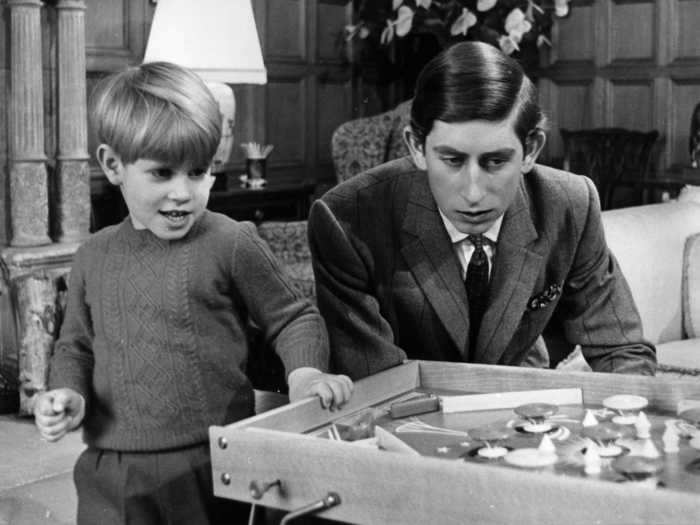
374	262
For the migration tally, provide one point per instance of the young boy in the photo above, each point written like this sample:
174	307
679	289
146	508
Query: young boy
153	347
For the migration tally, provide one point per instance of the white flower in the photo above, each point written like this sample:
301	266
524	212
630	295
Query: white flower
359	30
485	5
466	20
404	21
561	8
516	25
507	45
387	33
396	4
351	31
424	3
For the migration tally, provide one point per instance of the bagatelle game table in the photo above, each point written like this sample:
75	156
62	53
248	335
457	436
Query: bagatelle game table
463	443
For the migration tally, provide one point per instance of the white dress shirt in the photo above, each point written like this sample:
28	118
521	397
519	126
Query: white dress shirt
463	248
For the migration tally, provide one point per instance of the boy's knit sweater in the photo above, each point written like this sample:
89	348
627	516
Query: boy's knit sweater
155	331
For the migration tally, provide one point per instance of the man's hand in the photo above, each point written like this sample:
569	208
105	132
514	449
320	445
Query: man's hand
334	390
57	412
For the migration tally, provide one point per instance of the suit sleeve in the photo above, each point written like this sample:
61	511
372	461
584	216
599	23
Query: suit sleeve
598	309
362	341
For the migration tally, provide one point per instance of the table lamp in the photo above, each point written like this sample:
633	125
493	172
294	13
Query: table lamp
218	40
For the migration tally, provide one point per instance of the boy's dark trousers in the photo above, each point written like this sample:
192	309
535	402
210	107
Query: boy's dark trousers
151	488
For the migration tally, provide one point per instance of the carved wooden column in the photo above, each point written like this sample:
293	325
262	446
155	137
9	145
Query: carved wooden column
70	201
28	184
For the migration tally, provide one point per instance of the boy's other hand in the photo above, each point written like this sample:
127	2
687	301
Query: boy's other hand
334	390
57	412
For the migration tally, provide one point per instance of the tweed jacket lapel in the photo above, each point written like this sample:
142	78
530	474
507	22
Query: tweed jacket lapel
515	270
427	250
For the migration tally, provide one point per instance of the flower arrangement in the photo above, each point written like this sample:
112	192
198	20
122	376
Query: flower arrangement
511	25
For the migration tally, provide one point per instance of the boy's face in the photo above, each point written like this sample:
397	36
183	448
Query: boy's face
167	200
474	169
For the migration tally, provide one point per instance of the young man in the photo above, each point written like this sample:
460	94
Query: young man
468	250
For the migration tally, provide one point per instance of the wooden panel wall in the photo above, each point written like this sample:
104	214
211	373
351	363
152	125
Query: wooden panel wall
628	63
308	92
309	89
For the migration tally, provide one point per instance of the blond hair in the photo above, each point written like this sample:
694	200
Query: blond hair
158	111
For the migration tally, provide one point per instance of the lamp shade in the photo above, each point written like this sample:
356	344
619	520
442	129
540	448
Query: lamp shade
215	38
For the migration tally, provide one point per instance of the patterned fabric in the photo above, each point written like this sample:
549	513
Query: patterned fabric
361	144
289	243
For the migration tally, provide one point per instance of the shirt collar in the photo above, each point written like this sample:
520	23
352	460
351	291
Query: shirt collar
456	236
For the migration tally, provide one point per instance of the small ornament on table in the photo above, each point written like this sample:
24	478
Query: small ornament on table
547	445
255	164
627	406
591	459
535	415
643	426
670	439
589	420
649	450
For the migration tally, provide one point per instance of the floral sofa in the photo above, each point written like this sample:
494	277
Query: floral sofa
363	143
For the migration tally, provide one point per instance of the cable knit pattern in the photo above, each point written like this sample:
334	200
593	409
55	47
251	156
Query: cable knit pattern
154	335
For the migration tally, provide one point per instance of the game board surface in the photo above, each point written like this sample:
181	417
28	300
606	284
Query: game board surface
404	474
456	437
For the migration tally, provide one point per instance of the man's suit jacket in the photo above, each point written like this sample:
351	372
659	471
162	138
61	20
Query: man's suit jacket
389	285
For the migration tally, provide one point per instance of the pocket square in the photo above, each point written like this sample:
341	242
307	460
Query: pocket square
542	299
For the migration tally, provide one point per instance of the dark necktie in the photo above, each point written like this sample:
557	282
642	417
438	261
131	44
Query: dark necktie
477	285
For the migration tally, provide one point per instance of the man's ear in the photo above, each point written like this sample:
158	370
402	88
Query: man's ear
533	146
415	147
110	162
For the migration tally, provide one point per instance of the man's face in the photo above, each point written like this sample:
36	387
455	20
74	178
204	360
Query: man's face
474	169
167	200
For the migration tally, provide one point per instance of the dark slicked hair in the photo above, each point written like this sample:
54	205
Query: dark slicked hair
474	81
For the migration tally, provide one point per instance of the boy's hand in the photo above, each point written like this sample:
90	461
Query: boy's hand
334	390
57	412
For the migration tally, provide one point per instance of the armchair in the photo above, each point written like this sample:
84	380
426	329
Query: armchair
288	242
611	157
363	143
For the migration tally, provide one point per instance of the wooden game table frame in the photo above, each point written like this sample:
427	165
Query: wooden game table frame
383	487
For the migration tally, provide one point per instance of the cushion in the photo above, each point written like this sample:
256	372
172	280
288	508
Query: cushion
650	257
689	193
682	355
691	287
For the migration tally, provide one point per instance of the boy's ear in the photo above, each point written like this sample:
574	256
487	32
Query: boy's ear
212	178
416	147
110	162
533	147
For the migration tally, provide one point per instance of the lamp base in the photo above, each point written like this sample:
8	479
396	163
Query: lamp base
223	94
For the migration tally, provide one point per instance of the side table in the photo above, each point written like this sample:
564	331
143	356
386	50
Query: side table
275	201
